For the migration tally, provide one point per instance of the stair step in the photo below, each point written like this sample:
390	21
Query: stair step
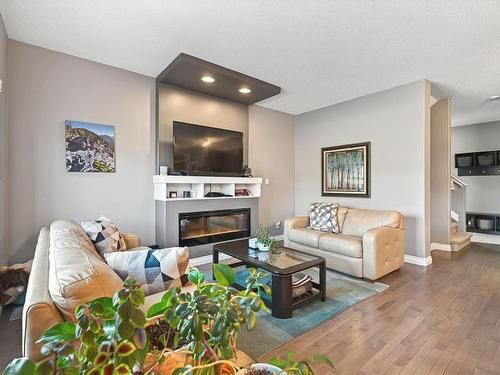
453	227
459	238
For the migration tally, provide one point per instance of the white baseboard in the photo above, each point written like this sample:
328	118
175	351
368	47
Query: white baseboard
440	246
419	261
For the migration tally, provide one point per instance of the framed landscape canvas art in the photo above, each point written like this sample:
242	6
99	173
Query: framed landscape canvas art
346	170
89	147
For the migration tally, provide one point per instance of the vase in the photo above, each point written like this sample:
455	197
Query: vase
263	247
264	366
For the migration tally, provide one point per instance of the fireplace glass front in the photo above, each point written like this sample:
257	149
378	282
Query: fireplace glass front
199	228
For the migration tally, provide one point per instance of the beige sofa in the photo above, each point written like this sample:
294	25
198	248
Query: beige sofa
67	271
370	244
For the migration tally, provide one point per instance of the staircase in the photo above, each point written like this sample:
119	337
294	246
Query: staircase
458	240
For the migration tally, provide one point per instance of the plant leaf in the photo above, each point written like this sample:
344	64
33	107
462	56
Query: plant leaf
125	349
155	309
137	297
122	369
20	366
64	331
251	320
224	274
140	338
323	358
106	309
195	276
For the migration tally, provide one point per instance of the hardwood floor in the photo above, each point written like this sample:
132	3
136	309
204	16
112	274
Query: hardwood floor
444	319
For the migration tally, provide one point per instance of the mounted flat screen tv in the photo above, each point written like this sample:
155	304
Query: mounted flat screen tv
202	150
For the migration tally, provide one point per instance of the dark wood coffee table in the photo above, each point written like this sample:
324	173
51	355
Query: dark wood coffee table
281	265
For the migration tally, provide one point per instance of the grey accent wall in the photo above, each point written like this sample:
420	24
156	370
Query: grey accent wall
187	106
3	145
395	122
45	89
482	191
272	156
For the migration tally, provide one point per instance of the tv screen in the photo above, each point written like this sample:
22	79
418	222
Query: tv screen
202	150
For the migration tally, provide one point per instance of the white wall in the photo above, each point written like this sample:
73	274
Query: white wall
3	144
271	156
47	88
395	122
482	191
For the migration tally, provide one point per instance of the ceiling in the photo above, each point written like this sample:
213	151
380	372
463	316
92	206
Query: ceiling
319	52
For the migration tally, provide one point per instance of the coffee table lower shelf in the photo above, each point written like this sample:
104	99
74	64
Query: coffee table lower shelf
282	302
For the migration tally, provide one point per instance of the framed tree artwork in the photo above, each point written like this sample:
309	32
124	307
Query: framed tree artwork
346	170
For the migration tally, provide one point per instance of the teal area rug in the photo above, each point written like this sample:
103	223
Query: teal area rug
342	292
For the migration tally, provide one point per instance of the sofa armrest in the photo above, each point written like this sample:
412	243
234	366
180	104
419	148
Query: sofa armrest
383	251
296	222
293	223
131	240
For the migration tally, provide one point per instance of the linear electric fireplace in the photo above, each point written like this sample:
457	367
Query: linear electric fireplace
199	228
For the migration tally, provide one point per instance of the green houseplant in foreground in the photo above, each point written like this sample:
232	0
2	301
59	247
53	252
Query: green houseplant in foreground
110	335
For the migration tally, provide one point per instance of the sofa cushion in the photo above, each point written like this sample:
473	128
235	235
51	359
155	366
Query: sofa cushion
342	244
105	235
155	270
359	221
305	236
323	217
77	274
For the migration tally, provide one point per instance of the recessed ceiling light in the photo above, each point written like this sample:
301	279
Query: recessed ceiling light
245	90
207	79
494	97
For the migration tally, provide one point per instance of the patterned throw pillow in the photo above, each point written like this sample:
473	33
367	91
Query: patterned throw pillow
104	235
323	217
156	270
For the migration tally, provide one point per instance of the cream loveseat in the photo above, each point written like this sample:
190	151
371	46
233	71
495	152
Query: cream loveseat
67	271
370	243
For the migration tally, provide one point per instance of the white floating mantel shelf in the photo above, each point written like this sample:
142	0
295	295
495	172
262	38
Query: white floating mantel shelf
198	186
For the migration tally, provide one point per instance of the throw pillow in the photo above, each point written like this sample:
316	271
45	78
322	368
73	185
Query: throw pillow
323	217
105	235
156	270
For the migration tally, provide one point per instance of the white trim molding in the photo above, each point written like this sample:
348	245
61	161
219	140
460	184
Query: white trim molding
419	261
440	246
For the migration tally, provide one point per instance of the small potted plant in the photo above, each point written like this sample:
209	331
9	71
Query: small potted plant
262	238
273	244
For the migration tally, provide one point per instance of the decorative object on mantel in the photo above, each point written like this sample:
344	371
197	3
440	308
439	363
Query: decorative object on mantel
172	194
163	170
89	147
346	170
246	172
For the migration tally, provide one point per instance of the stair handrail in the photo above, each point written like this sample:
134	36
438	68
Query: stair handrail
457	181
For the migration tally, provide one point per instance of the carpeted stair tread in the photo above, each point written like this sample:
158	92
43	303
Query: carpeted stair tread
453	227
459	237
